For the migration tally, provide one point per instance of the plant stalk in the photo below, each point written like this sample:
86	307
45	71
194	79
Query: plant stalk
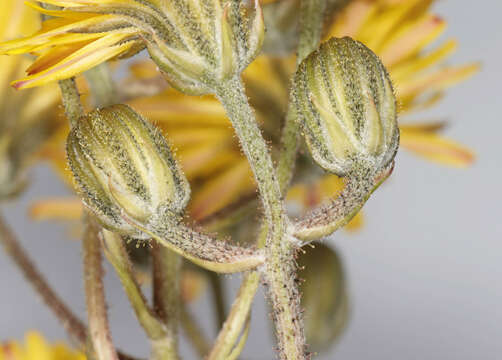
279	269
71	100
99	331
167	295
116	253
327	218
102	86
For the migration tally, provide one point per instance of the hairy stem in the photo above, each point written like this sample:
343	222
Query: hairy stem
203	250
167	295
238	314
71	100
279	269
99	330
75	328
312	14
311	26
327	218
116	253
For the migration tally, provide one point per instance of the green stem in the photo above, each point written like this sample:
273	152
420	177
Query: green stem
203	250
238	314
327	218
167	295
232	95
71	100
102	86
99	330
311	26
116	253
280	268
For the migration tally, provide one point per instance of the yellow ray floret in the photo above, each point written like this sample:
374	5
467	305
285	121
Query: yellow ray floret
35	347
71	42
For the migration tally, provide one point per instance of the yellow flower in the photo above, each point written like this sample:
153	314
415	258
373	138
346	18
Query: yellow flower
72	42
27	119
36	348
188	39
398	31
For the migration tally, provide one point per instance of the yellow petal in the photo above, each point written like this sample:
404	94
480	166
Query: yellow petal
411	39
12	351
424	126
83	59
356	223
222	190
144	70
408	68
170	109
58	54
436	148
57	209
206	158
17	19
36	347
185	137
436	81
378	28
351	20
50	30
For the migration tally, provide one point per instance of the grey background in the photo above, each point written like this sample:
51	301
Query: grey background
424	273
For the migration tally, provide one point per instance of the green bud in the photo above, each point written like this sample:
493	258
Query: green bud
324	296
124	169
206	42
347	107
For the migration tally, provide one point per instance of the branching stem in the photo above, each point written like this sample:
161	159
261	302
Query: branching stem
163	342
327	218
279	269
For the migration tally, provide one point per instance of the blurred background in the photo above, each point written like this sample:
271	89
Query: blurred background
423	273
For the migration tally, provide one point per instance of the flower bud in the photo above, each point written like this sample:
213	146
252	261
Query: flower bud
124	169
206	42
347	108
324	296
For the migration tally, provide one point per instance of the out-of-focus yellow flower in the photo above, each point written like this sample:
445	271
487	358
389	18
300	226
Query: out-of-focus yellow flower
35	347
397	30
27	119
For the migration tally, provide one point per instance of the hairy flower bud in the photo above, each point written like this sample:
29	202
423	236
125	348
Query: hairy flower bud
123	167
206	42
347	108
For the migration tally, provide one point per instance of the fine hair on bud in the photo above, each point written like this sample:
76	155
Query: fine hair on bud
206	42
124	169
347	107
